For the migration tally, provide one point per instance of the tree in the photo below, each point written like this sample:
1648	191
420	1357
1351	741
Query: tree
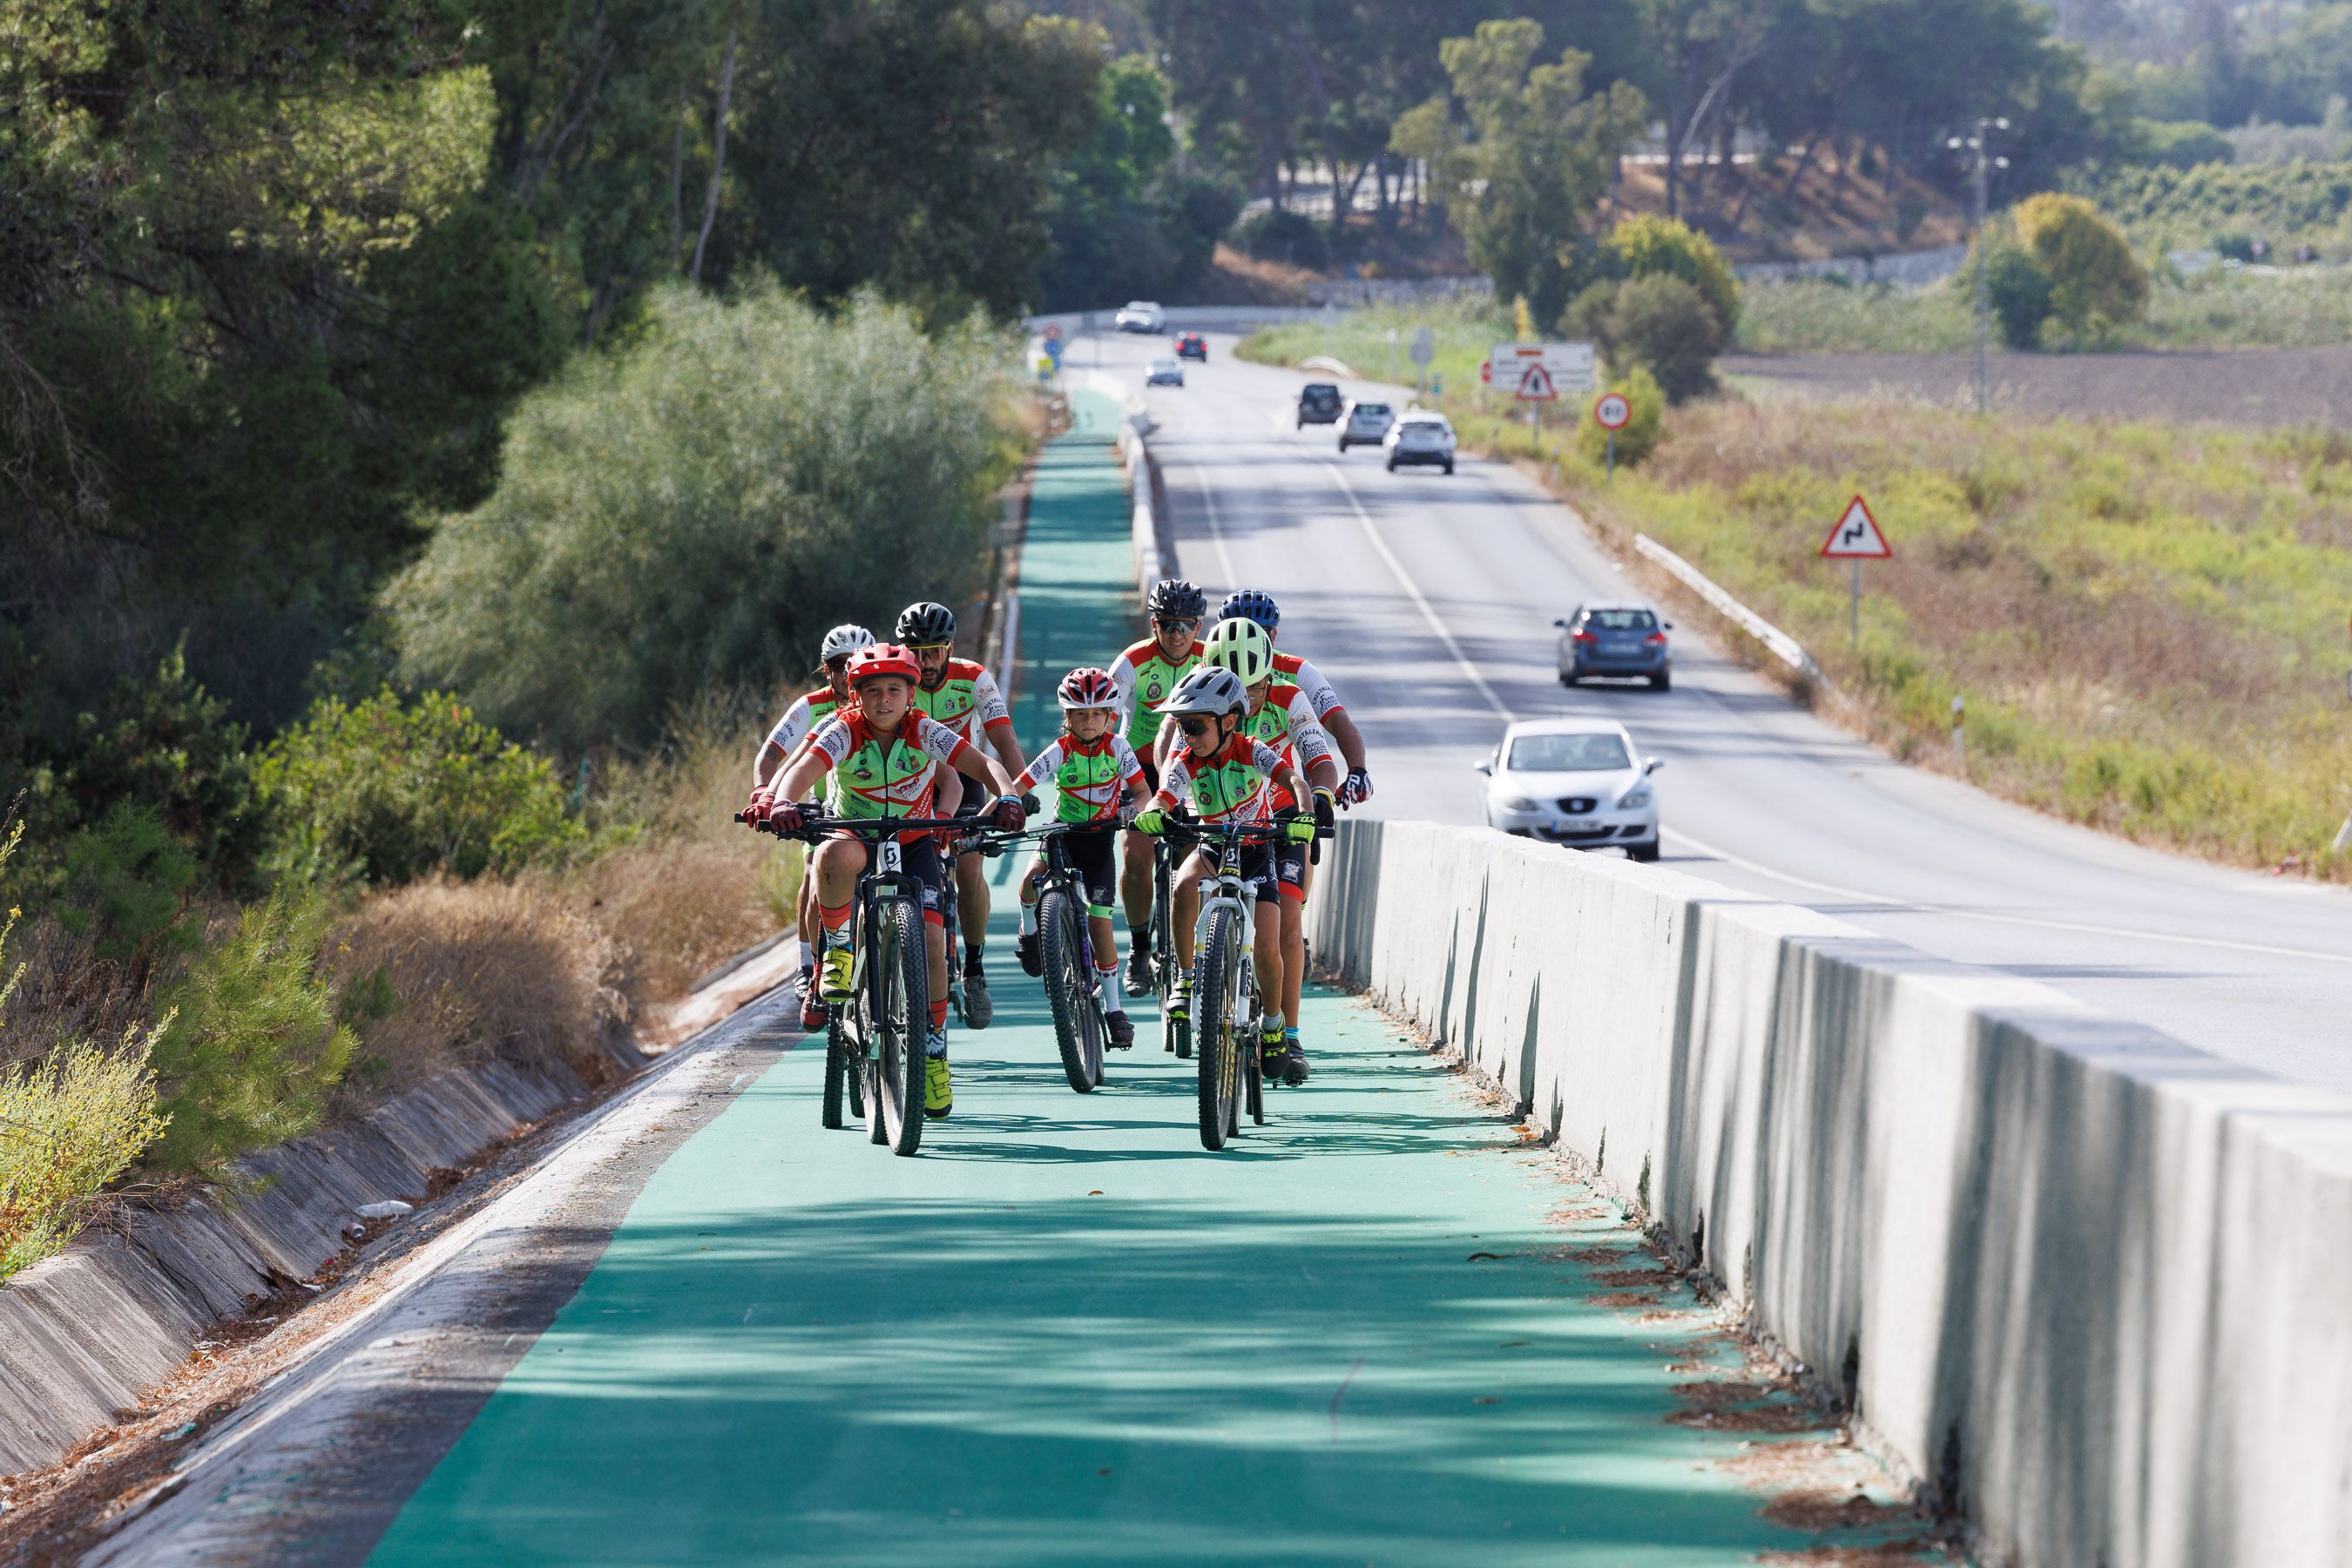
1532	161
2095	279
1657	323
1645	245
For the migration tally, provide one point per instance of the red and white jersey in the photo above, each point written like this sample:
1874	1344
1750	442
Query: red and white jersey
878	775
966	697
1300	673
1089	776
801	719
1235	784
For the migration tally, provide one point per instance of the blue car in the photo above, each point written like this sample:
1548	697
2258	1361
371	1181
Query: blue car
1620	637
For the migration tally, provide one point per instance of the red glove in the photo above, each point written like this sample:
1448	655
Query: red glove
1010	814
763	801
786	817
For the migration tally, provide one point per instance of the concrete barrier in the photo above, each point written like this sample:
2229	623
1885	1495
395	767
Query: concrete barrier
2087	1286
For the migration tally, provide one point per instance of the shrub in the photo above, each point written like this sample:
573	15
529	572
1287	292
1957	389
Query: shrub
1658	322
251	1046
391	791
696	510
2017	290
1289	236
125	887
1647	244
2181	143
1640	435
2095	279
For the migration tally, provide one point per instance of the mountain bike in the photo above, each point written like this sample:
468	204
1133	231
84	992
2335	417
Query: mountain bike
874	1041
1073	992
1225	982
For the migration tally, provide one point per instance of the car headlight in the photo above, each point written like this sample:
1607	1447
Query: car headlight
1634	799
1519	803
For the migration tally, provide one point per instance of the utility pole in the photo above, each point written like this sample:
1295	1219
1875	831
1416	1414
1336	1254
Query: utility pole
1979	149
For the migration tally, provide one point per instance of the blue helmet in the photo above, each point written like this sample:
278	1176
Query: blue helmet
1252	604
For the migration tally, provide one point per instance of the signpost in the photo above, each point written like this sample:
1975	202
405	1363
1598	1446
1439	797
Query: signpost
1610	412
1569	365
1535	390
1856	538
1424	349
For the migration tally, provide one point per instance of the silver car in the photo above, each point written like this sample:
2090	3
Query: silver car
1578	782
1420	437
1164	371
1622	638
1140	316
1365	424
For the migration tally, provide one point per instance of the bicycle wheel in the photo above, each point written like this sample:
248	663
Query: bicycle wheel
1254	1076
1068	962
1163	962
902	1013
836	1070
1220	1069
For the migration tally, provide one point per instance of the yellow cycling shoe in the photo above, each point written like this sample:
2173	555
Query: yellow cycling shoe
836	980
939	1095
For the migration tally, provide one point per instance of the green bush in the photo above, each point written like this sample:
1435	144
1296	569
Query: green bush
1647	404
1658	322
2095	279
2181	143
2017	290
1647	244
390	792
696	511
1287	236
125	887
251	1044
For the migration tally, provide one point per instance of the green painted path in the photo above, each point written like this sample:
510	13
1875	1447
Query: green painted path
1065	1333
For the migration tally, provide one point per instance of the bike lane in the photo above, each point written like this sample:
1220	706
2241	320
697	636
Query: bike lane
1067	1333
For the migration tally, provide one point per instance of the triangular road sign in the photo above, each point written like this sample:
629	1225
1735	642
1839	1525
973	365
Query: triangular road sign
1536	386
1856	534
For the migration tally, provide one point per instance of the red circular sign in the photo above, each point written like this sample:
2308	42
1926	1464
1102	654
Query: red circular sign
1053	332
1485	373
1611	411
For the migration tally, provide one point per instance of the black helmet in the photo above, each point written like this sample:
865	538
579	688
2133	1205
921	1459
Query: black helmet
1252	604
1177	599
926	625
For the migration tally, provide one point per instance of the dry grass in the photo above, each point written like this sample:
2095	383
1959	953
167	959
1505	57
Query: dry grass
2144	619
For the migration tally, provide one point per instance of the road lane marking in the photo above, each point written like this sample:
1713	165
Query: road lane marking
1413	590
1915	906
1216	529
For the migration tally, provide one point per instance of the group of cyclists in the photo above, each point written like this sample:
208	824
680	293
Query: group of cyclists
1214	726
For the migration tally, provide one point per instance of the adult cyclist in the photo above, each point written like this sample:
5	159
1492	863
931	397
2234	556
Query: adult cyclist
962	695
1225	775
1280	715
1258	606
881	752
1147	673
789	733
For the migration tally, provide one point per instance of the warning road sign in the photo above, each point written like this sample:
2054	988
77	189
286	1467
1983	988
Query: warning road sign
1856	535
1536	386
1611	411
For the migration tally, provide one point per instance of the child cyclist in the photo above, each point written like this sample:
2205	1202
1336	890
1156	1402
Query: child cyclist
1283	716
1227	775
1093	768
784	743
881	752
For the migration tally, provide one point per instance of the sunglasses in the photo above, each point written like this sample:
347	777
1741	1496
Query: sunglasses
1166	625
1196	725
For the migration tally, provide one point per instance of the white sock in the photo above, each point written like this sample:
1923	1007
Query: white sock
1028	919
1109	980
808	956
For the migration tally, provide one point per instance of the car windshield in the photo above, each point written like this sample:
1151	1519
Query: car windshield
1621	620
1595	752
1371	410
1320	394
1142	305
1423	427
1163	364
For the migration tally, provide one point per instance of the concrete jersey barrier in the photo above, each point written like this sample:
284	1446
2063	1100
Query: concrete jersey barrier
2087	1286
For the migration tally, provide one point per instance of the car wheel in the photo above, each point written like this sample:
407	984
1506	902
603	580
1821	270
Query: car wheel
1391	469
1343	443
1566	678
1449	470
1644	853
1662	681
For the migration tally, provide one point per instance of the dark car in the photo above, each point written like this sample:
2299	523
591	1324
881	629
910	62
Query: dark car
1622	638
1192	345
1319	403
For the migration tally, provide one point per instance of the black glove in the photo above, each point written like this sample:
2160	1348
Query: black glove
1323	814
1358	788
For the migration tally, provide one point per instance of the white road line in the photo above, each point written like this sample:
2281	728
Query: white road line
1913	905
1413	590
1216	530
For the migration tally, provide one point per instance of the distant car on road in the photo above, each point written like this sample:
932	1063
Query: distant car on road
1578	782
1366	425
1164	371
1140	316
1420	437
1192	345
1622	638
1319	403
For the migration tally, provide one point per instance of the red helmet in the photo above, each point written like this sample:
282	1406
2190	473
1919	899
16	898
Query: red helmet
1088	687
883	659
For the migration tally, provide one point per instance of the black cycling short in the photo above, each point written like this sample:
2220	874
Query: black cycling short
919	860
1257	867
1290	868
1090	856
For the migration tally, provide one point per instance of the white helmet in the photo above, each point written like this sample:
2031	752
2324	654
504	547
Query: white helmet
1211	689
1243	648
843	640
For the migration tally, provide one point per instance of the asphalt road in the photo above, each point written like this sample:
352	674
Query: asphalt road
1429	601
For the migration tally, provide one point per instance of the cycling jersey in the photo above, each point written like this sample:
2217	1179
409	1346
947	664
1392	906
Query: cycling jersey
1299	672
803	717
1286	720
1145	678
1088	776
966	692
874	776
1230	786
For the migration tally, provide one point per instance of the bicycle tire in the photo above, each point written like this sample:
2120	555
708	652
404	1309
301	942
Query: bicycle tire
1220	1064
1163	961
902	1018
1068	960
836	1071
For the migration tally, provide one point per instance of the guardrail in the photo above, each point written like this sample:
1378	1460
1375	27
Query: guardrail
1782	646
2084	1285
